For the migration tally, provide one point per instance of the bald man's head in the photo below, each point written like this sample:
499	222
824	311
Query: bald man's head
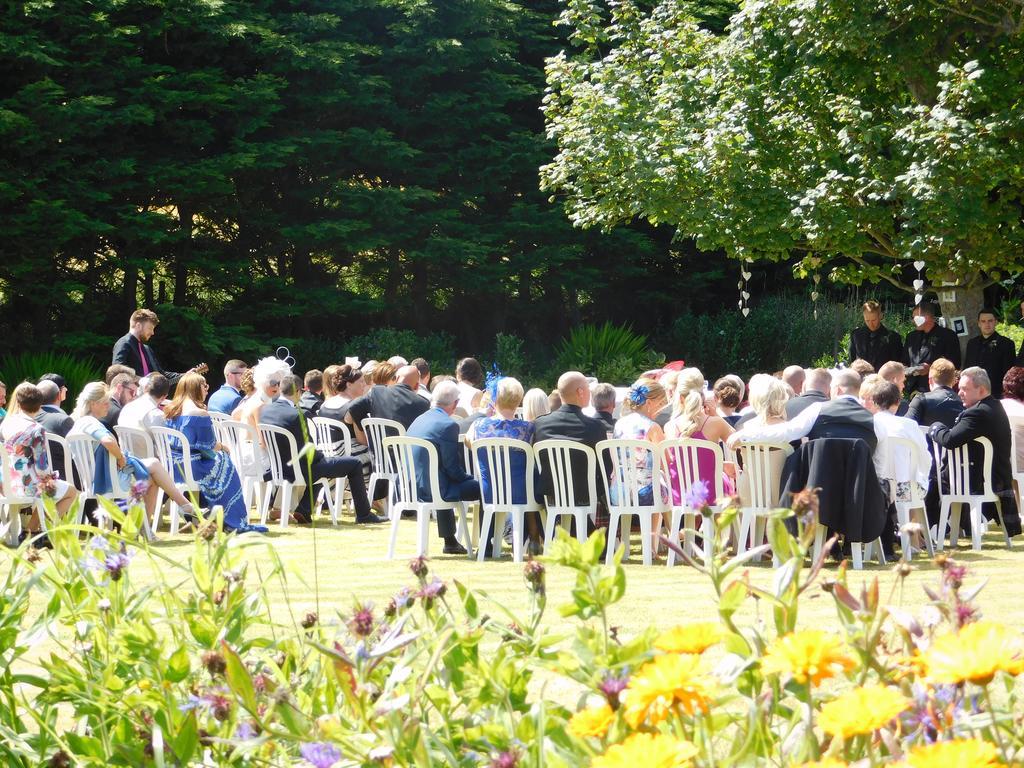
794	376
573	389
408	375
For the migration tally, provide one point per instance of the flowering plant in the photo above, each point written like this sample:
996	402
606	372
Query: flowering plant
191	668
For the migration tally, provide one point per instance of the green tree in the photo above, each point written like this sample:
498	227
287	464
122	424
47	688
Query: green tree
854	139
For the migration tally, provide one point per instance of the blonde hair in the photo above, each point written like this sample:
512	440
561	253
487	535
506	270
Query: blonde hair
510	393
93	392
535	403
768	396
654	392
689	404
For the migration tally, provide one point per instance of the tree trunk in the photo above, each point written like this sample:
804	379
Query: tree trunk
184	256
965	304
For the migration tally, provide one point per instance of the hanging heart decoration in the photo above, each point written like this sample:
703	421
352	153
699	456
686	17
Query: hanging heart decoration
739	284
917	298
918	265
814	295
817	279
746	311
740	303
746	275
918	285
745	295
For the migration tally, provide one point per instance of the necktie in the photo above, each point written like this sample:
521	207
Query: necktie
142	354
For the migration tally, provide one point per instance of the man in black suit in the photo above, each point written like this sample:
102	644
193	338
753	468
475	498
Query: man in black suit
873	341
123	389
284	412
399	402
570	423
603	399
896	374
927	344
842	416
817	384
991	351
312	393
133	351
983	416
941	405
54	421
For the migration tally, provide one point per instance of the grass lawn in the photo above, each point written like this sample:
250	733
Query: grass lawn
345	564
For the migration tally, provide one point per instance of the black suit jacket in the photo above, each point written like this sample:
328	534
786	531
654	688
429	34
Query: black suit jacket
995	354
570	423
55	421
877	347
986	418
798	404
941	405
110	420
845	417
310	403
126	352
398	403
924	347
281	413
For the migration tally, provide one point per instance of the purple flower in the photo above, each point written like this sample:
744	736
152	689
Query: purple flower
320	754
418	566
697	495
99	543
611	687
138	490
245	731
509	759
116	562
362	622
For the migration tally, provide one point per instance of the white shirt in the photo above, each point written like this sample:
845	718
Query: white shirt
142	413
890	425
790	431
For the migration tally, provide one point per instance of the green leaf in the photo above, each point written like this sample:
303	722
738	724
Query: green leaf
178	666
239	680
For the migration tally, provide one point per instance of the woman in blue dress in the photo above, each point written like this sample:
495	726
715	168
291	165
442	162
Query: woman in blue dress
211	466
507	394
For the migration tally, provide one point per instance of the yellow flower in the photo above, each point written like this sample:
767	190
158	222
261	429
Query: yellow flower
809	655
660	684
690	638
975	654
825	762
649	750
969	753
861	711
593	721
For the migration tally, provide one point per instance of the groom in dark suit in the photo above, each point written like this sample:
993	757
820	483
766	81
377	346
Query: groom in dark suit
133	351
284	412
438	427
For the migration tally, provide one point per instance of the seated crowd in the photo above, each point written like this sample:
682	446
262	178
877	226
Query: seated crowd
797	406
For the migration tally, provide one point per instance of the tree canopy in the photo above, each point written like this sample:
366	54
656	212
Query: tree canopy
852	138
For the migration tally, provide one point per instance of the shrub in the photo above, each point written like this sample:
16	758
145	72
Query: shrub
438	349
29	366
612	353
509	355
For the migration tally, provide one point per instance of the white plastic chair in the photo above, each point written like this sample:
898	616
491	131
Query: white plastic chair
11	505
914	507
682	453
278	479
138	442
66	471
376	431
325	437
218	420
163	438
958	474
82	448
759	488
496	453
556	456
401	456
623	492
243	444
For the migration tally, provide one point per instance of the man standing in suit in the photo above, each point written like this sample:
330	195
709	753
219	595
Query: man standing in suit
133	351
927	344
816	386
941	404
873	341
284	412
227	398
983	416
437	426
570	423
991	351
842	416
